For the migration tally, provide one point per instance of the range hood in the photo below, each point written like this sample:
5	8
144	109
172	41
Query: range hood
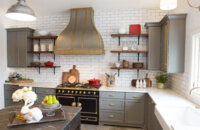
80	37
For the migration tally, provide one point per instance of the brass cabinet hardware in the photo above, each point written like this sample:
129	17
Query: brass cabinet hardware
45	91
79	104
111	116
134	96
111	104
73	104
111	95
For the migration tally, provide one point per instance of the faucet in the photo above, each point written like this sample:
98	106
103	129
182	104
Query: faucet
193	90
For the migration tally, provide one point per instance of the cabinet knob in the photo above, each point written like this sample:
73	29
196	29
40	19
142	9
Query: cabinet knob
134	96
111	116
111	95
111	104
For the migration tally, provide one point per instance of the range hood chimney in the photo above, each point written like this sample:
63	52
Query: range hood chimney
80	37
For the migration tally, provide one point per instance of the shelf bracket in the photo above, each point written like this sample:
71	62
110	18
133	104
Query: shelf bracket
118	72
118	56
119	41
39	70
54	71
138	73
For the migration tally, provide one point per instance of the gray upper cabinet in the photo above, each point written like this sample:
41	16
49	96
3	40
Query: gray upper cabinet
153	46
169	36
17	46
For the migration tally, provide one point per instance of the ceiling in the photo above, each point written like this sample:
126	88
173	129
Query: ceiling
45	7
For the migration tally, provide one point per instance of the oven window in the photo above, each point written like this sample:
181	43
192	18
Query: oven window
66	100
89	105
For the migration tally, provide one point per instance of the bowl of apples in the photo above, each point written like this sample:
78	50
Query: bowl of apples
49	105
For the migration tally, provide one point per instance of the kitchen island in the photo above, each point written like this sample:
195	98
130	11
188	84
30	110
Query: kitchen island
72	121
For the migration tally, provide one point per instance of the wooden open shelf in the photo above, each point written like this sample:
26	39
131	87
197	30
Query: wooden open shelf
39	52
121	68
44	66
121	51
129	35
42	37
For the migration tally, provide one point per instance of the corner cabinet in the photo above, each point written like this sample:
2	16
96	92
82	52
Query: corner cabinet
17	46
166	44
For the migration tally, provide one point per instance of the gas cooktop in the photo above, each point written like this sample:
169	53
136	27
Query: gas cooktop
78	86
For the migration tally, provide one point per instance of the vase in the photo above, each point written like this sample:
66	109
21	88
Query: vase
161	85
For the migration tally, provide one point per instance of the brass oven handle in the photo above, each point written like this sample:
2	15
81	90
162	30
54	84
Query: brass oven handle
73	104
111	95
79	104
134	96
111	104
111	116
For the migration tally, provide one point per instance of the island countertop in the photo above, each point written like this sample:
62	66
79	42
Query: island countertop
72	120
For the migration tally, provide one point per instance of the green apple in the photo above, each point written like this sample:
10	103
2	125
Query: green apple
45	100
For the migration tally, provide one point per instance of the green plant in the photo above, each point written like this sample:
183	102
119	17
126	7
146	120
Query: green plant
162	78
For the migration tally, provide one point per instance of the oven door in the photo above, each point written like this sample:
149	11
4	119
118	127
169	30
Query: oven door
67	100
89	105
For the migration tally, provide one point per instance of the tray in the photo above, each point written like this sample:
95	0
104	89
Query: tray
22	81
60	116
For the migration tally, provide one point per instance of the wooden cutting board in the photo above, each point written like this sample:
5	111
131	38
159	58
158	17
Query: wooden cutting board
75	73
65	76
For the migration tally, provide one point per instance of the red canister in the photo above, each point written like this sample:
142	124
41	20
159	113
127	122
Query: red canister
135	29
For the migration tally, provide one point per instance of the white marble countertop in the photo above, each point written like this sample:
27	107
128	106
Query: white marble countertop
41	85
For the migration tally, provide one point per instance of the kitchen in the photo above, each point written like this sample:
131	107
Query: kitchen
109	20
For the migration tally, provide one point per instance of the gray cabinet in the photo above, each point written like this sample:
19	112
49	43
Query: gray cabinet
153	46
169	35
152	122
124	109
42	92
17	46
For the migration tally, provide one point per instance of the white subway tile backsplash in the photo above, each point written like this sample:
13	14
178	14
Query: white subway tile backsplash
93	66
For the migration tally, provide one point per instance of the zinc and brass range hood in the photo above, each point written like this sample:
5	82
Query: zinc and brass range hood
80	37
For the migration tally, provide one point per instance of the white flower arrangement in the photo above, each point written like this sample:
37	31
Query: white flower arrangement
25	94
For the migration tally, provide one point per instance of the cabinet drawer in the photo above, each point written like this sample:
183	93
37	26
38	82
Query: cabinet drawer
11	87
135	96
112	116
114	95
113	104
9	102
45	91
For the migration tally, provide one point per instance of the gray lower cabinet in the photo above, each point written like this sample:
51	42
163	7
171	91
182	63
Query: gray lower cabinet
124	109
152	122
10	89
17	46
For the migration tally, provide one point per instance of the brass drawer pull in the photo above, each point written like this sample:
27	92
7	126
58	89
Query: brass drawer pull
79	104
111	104
73	104
134	96
111	116
111	95
45	91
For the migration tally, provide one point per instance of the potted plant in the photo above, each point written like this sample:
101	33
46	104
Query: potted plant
161	80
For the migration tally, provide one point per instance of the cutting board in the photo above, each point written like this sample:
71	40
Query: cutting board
75	73
72	72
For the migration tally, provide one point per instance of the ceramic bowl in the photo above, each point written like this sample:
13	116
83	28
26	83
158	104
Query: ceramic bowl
43	33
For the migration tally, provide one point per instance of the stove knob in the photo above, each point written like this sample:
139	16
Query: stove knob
94	93
76	92
80	92
72	92
84	92
59	91
68	91
89	92
63	91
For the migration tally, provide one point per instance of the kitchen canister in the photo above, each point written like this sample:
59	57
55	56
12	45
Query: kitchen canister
135	29
50	47
42	47
35	47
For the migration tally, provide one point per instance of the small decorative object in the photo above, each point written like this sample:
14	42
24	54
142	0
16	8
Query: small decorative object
161	80
135	29
36	47
134	46
138	65
42	47
18	78
140	84
48	63
35	63
110	80
122	30
43	33
137	83
29	97
117	64
125	64
50	47
144	85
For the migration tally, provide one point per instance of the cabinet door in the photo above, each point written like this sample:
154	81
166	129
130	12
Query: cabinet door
12	49
22	48
134	112
154	48
164	46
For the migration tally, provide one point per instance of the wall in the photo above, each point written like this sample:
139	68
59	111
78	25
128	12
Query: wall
107	22
181	82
